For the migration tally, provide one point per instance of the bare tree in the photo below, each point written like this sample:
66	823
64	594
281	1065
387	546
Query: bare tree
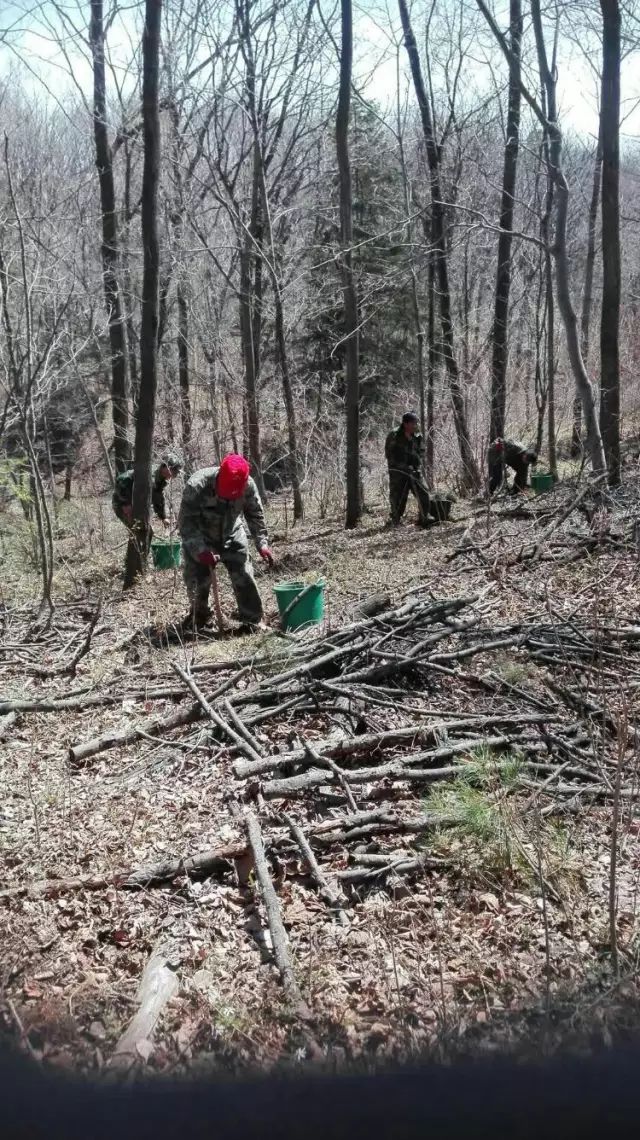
112	292
587	288
138	547
500	330
471	473
349	291
610	318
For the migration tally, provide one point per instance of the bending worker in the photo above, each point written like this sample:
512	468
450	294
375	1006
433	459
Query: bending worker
122	499
404	452
508	453
214	504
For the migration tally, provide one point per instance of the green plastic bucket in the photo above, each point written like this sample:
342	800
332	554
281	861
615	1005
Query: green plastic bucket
165	555
308	611
440	507
541	481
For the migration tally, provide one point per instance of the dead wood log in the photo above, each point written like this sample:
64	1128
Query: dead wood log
371	606
158	985
340	776
325	890
215	717
80	752
421	734
215	860
91	700
403	866
400	768
274	918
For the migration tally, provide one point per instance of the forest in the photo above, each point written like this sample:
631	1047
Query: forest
252	239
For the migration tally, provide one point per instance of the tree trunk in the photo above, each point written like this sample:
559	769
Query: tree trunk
183	370
112	293
138	546
350	296
550	387
431	374
499	335
292	430
252	435
587	295
471	473
610	319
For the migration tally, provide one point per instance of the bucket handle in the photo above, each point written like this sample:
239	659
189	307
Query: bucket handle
294	602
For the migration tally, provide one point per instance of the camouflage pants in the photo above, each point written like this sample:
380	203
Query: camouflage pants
197	579
399	486
497	473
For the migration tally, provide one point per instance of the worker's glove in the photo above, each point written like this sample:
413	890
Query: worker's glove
127	512
208	558
266	555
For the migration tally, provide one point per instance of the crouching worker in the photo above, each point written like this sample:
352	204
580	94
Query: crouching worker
507	453
122	500
404	452
214	504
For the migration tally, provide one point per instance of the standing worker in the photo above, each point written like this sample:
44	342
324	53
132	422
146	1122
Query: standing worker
214	503
122	500
508	453
404	452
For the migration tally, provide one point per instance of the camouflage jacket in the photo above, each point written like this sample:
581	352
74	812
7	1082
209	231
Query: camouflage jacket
206	522
512	453
123	493
403	452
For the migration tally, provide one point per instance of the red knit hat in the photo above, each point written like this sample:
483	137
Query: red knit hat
232	477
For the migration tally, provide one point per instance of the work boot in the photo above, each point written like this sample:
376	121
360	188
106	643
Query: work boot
247	627
196	618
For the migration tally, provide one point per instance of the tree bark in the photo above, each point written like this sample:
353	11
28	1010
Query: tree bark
138	547
471	472
431	374
587	295
610	319
499	335
349	290
112	293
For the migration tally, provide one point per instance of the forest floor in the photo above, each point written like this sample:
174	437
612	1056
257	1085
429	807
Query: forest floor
500	940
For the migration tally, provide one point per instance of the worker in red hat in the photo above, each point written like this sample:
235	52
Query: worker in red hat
215	504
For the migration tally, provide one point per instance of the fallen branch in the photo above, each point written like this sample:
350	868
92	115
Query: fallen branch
328	749
80	752
215	860
325	889
215	717
157	986
274	918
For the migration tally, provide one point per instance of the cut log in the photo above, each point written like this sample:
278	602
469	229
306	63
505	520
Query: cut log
158	985
215	860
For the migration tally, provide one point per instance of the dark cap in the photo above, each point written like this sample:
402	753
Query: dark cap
409	418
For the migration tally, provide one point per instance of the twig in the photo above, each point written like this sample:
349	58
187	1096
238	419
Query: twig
325	890
215	717
274	918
